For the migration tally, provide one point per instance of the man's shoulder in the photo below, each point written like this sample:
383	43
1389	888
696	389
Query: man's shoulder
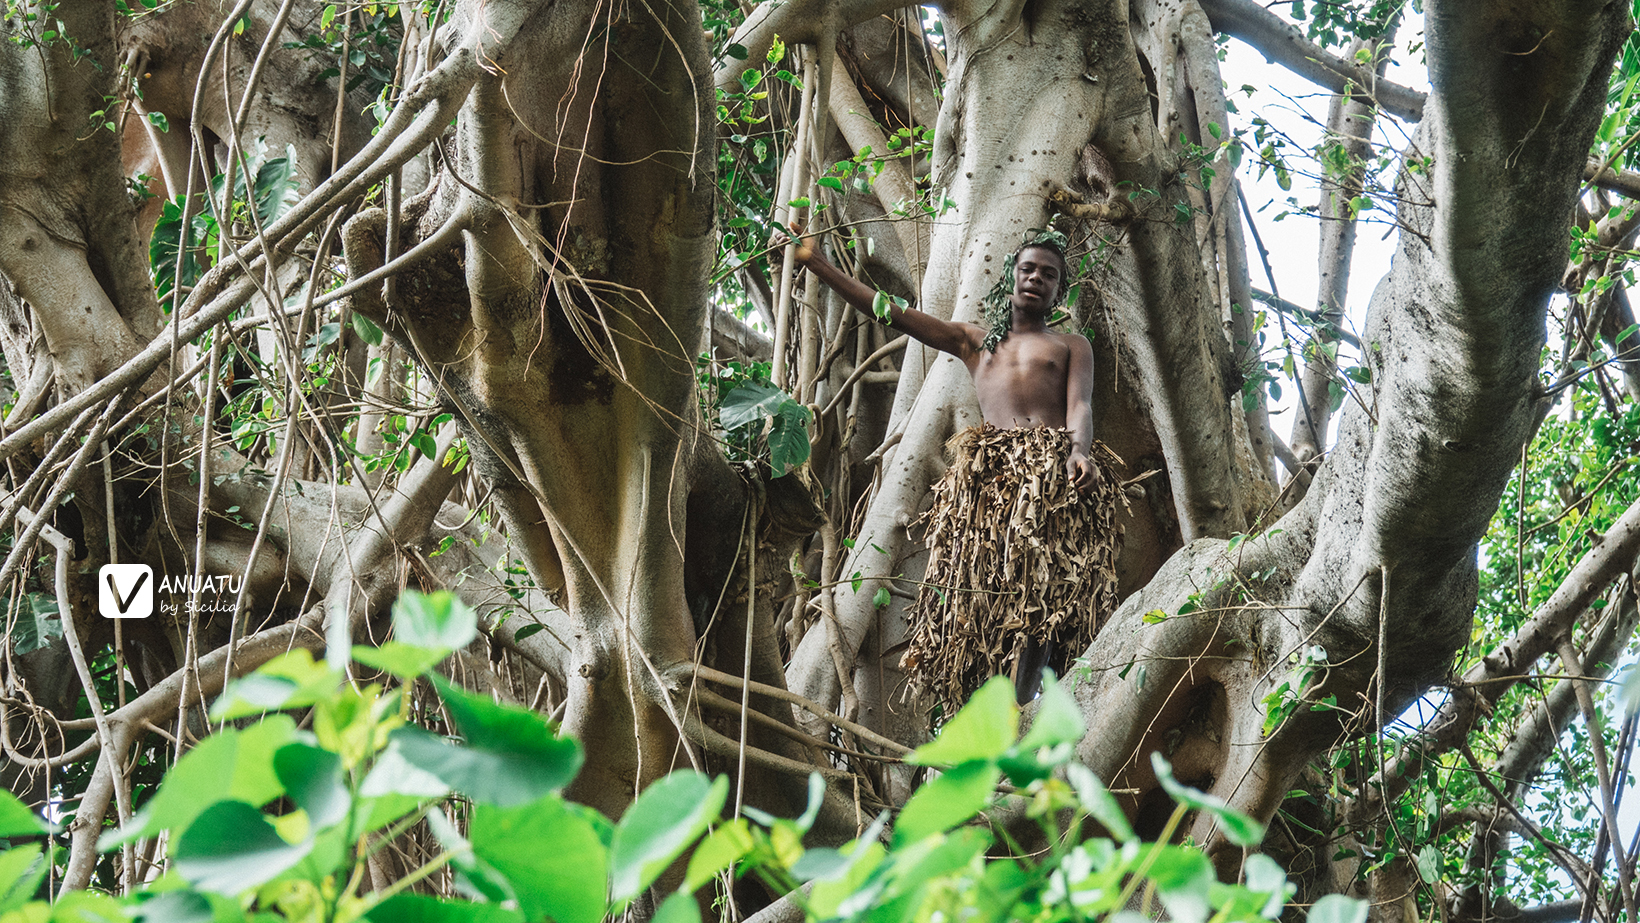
1074	340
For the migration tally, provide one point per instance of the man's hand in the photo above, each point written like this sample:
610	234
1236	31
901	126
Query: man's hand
1080	470
805	245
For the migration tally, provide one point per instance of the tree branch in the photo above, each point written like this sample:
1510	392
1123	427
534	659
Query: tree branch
795	22
1283	43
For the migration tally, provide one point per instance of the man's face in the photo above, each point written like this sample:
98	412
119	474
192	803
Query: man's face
1038	274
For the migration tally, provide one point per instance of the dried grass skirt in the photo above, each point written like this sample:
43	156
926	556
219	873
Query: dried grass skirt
1016	555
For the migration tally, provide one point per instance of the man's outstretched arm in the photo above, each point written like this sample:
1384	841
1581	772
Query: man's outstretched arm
960	340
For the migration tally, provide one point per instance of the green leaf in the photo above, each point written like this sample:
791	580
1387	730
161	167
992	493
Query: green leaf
1183	877
722	847
474	877
1429	863
94	907
865	857
438	621
1099	802
679	908
820	864
1266	876
1336	908
290	680
750	402
314	780
1359	374
939	856
817	799
21	871
424	443
231	848
881	598
512	755
660	825
788	444
16	820
1057	721
229	765
880	306
951	798
550	855
736	51
276	184
1238	827
367	329
185	906
394	773
830	182
37	627
982	730
426	628
402	660
418	908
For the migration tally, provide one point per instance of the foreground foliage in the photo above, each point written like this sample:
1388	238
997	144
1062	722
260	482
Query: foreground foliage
276	819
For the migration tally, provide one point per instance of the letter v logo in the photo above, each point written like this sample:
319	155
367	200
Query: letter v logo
125	591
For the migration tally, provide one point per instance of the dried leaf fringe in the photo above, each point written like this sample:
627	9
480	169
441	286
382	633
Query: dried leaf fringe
1015	554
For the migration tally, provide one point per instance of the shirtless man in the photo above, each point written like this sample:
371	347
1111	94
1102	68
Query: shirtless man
1032	377
1025	376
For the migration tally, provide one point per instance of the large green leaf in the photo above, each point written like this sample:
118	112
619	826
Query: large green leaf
231	848
416	908
291	680
1097	800
434	620
1336	908
1238	827
313	777
750	402
89	907
276	184
722	847
17	820
474	877
512	756
983	729
1057	721
395	774
679	908
1183	878
402	660
865	855
1267	879
176	907
936	856
956	795
660	825
21	871
427	627
550	855
229	765
38	624
789	439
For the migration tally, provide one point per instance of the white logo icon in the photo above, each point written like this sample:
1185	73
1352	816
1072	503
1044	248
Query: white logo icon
125	591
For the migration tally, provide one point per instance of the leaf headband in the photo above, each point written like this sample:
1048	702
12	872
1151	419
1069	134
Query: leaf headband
998	313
